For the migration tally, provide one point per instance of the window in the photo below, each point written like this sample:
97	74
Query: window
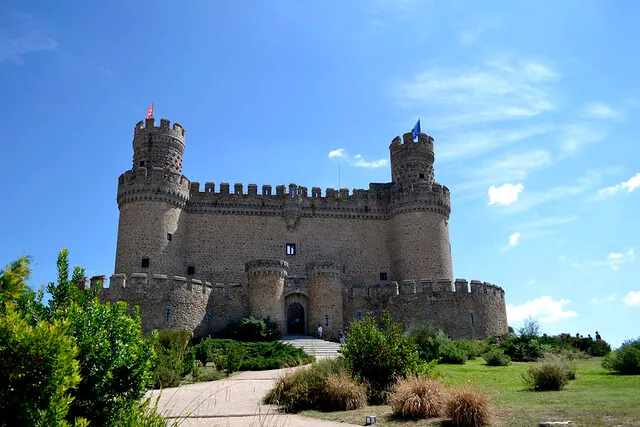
169	236
473	321
142	163
167	313
290	248
145	263
359	315
326	319
191	270
421	176
383	277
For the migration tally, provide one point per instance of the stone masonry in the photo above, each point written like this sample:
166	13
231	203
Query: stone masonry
198	258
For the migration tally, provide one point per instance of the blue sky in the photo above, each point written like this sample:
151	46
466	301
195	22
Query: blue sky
532	108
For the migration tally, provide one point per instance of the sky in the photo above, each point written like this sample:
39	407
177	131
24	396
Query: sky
532	108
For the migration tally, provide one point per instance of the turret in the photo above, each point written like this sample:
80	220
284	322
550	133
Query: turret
412	162
325	297
151	198
266	289
158	147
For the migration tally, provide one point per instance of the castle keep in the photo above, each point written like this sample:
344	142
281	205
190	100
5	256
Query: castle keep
199	257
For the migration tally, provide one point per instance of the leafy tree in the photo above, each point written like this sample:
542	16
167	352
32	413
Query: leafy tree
13	281
531	327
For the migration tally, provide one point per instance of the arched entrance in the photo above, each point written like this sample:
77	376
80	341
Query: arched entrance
295	319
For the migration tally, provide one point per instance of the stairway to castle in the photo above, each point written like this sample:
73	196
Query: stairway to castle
321	349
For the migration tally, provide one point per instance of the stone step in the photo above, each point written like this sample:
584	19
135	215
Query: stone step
315	347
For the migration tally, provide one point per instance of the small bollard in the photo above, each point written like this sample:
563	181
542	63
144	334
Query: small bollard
369	419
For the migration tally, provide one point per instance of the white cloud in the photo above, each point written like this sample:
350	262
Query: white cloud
608	298
632	298
505	194
545	308
357	160
546	222
494	90
602	111
513	241
531	282
340	152
630	185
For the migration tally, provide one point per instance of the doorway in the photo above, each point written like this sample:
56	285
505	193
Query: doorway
295	319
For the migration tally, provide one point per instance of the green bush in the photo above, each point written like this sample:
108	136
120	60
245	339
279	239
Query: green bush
38	370
474	348
496	357
452	353
251	329
435	345
525	348
548	375
306	388
380	355
625	360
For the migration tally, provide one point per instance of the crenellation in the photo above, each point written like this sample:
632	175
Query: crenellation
461	286
408	286
316	192
252	190
224	188
237	188
209	187
266	190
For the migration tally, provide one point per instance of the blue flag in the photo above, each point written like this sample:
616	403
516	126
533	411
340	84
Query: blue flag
416	129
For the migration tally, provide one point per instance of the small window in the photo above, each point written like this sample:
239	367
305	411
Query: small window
169	236
473	321
167	313
142	163
383	277
326	320
191	270
421	176
290	248
145	263
359	315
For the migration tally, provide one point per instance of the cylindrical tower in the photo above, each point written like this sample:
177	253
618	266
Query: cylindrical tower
325	298
420	209
151	197
266	289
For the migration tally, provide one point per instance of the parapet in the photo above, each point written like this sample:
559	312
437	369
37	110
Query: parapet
407	143
324	268
267	267
144	128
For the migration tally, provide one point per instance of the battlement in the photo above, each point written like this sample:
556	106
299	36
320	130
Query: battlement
153	184
430	287
324	268
407	143
146	127
267	267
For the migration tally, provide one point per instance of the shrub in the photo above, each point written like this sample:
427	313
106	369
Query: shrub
496	357
473	348
306	388
380	355
599	348
418	397
525	348
345	393
453	353
170	338
251	329
548	375
625	360
37	371
467	406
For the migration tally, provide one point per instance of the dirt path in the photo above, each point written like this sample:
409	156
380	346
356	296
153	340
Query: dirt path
235	401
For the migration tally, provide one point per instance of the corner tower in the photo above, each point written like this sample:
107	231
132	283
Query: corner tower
151	198
420	209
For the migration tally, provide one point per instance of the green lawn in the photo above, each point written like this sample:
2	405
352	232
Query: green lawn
595	398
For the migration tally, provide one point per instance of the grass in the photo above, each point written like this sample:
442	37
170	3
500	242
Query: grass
595	398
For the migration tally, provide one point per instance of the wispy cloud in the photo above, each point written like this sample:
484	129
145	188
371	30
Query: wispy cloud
471	34
614	261
357	160
545	308
505	194
604	300
599	110
632	298
546	222
575	137
629	185
492	91
20	36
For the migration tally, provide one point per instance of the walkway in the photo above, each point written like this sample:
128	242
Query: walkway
321	349
232	402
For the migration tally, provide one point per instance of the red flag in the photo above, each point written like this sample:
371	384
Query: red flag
150	112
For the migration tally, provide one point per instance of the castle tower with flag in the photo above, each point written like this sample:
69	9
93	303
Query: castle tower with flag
198	257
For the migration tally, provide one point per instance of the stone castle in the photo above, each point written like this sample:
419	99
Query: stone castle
198	258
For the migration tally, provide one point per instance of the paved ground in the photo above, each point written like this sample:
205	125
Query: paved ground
235	401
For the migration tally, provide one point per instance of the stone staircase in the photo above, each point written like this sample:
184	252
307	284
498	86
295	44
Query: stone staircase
321	349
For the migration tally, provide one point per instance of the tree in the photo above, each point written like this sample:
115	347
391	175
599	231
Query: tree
13	281
531	327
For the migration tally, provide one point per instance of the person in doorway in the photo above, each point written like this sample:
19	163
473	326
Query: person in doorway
320	331
342	337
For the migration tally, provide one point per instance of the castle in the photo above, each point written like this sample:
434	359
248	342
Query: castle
198	258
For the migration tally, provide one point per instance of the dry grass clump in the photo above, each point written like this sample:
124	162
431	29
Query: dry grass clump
468	406
418	397
345	393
